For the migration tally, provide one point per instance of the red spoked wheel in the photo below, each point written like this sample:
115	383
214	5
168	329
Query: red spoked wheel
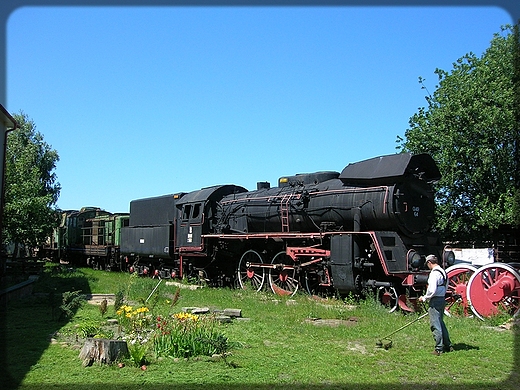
457	303
494	289
282	276
388	298
516	266
250	276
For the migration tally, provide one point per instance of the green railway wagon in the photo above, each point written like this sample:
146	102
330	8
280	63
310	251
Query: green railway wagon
89	237
101	239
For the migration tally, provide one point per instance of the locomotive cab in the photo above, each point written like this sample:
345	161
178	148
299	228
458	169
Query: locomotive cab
197	213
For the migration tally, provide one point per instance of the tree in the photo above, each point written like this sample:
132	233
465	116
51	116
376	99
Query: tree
470	127
31	189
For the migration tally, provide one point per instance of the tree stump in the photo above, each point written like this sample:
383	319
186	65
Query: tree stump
103	351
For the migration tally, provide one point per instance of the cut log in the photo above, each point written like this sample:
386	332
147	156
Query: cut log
103	351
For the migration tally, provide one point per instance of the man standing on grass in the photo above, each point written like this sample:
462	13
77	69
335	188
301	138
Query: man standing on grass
435	294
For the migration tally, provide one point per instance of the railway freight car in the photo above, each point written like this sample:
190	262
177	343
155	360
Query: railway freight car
89	236
366	227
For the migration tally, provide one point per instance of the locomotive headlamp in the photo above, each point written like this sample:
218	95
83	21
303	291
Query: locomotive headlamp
414	259
448	256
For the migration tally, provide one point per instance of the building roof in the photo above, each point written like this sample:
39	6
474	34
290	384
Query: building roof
7	120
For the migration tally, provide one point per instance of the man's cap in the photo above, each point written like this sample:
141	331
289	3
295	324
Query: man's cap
431	258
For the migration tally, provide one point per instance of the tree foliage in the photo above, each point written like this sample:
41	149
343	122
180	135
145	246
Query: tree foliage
470	127
31	189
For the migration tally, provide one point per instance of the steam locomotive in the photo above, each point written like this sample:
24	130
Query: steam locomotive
368	227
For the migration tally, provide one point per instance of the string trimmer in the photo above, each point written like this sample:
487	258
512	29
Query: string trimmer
388	342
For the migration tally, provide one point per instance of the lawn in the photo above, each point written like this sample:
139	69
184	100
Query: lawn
281	342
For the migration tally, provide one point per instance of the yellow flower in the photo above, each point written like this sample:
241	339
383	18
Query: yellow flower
186	316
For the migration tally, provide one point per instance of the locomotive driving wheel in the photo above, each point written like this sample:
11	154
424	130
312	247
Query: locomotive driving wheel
494	289
282	277
249	276
456	292
317	282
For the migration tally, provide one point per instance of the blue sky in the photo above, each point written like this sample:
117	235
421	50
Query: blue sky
143	102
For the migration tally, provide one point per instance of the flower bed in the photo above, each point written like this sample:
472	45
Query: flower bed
187	335
178	335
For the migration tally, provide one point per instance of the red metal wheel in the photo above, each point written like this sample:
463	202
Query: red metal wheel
317	282
515	265
456	294
388	298
494	289
250	276
282	276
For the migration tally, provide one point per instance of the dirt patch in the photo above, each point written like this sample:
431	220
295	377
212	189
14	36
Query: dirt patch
512	323
96	299
331	322
357	347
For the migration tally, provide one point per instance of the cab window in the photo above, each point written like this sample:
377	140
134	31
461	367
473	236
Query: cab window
186	211
196	211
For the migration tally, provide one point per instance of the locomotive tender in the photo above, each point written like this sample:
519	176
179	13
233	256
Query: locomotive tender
366	227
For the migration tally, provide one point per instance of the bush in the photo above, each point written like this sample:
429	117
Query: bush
71	301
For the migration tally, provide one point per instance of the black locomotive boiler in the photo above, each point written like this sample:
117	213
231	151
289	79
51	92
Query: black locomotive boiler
368	227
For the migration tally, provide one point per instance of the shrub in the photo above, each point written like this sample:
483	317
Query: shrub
71	301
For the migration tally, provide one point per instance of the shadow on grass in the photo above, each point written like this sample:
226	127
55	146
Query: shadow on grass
464	347
29	323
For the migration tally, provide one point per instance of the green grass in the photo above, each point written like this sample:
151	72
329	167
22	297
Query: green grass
277	347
